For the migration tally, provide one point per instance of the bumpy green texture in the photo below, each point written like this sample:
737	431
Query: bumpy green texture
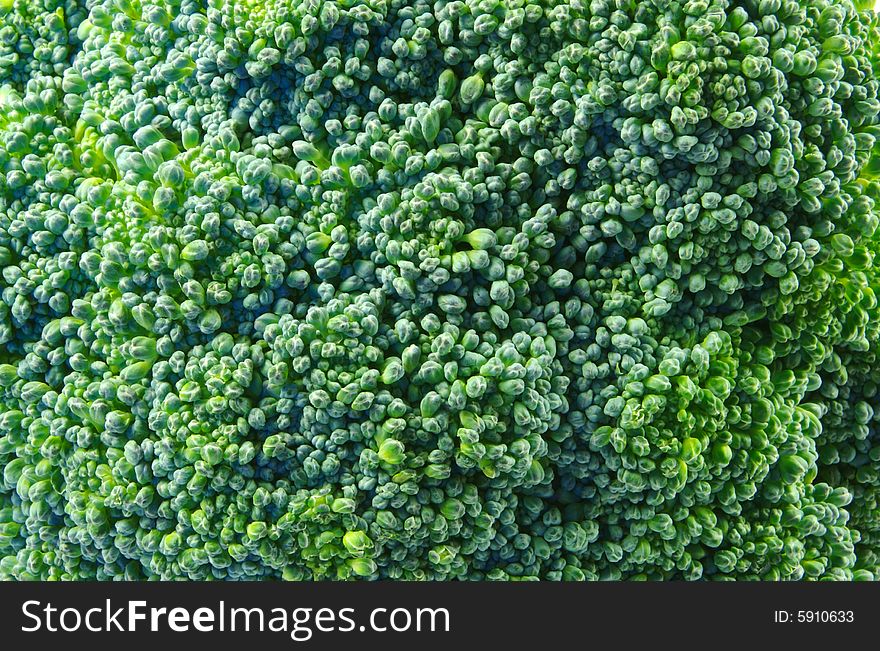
481	289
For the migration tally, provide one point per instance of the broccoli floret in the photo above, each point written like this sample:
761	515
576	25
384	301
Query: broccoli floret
470	289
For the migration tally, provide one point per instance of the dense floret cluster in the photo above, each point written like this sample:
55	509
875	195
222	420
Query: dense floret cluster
439	289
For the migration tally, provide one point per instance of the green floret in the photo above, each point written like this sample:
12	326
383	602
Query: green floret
506	290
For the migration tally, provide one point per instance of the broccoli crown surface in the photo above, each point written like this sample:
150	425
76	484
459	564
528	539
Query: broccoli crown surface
451	289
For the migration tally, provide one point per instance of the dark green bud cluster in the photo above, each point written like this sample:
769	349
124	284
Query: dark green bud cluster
454	289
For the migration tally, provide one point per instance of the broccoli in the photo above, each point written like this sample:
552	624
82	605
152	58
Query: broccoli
448	289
